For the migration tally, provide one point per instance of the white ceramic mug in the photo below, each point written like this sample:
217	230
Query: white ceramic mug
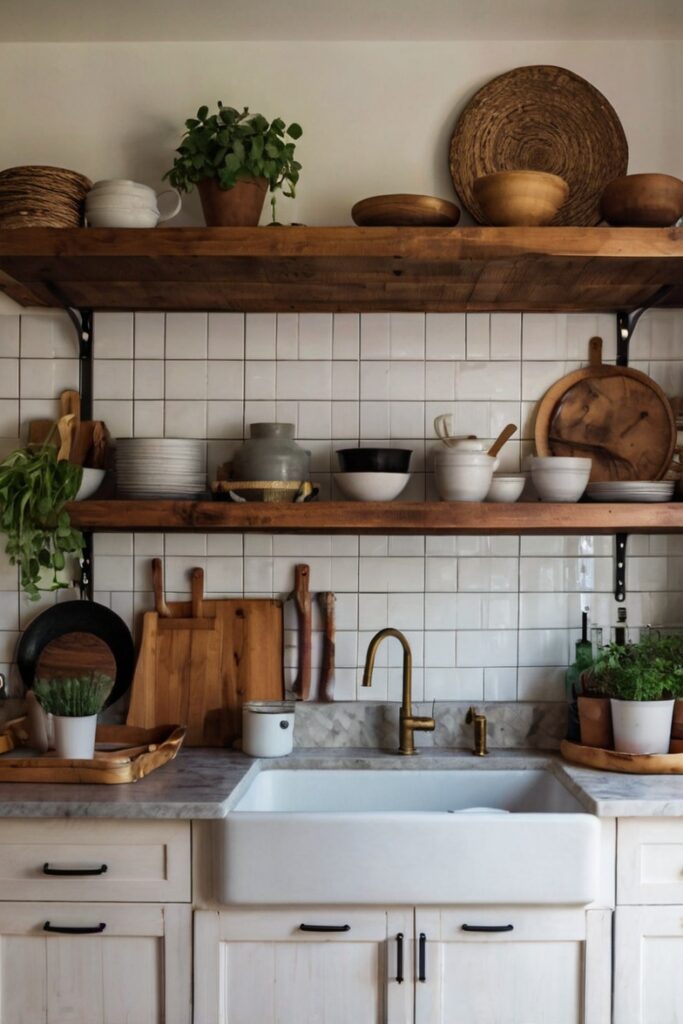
121	203
268	728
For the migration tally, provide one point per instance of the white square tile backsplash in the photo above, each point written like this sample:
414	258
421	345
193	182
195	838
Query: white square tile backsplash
491	618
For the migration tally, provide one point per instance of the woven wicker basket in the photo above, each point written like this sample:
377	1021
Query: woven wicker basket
540	118
46	197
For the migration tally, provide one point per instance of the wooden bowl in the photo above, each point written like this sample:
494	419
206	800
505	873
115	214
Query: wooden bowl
520	198
643	201
398	211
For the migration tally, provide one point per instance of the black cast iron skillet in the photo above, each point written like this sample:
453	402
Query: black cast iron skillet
82	636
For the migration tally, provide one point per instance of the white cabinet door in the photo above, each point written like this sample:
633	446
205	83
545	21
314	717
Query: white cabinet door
263	967
135	970
648	965
513	966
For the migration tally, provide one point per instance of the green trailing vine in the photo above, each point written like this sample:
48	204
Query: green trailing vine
73	697
34	488
230	146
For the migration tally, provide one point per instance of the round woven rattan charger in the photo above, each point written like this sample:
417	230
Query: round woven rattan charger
541	118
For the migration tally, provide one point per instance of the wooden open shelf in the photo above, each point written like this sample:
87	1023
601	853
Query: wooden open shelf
428	518
343	269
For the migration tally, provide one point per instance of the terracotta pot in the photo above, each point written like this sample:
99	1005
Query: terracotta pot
677	726
595	720
237	207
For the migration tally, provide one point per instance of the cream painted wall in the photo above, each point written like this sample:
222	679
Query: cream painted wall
377	117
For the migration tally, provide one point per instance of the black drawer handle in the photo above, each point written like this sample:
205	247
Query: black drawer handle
73	872
96	929
399	958
488	927
422	958
324	927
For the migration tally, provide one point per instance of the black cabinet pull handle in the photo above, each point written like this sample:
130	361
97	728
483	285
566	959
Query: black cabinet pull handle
73	872
422	958
324	927
488	927
65	930
399	958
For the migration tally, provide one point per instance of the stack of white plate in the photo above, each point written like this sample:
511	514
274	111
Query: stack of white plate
631	490
156	467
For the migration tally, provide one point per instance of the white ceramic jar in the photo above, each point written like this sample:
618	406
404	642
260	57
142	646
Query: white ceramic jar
268	728
463	475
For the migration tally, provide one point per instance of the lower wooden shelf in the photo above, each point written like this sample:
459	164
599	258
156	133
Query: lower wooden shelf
428	518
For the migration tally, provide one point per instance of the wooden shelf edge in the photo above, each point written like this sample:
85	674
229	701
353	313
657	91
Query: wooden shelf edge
418	518
343	269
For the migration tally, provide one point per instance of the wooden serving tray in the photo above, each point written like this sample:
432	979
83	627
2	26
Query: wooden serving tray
615	761
140	751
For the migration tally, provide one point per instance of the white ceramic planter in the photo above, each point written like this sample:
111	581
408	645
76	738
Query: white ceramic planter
642	726
75	737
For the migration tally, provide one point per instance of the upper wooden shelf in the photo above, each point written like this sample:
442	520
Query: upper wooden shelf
343	269
423	518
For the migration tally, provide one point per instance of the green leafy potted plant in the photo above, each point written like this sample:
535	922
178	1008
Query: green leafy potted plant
642	681
234	159
34	488
74	704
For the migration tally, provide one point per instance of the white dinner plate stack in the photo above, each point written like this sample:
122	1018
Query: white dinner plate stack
631	490
153	467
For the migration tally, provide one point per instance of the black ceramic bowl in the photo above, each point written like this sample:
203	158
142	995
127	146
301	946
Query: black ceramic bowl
374	460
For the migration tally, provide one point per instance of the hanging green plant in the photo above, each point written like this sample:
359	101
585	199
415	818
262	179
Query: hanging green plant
34	488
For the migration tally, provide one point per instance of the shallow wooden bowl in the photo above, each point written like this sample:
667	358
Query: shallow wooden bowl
643	201
397	211
520	198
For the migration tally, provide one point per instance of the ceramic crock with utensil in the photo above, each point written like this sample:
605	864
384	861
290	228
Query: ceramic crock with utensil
463	471
119	203
268	728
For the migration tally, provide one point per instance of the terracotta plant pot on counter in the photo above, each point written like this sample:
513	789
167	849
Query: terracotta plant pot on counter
595	721
237	207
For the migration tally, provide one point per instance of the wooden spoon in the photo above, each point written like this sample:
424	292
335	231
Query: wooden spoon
504	436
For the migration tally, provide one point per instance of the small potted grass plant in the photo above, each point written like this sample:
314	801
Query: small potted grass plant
74	703
642	681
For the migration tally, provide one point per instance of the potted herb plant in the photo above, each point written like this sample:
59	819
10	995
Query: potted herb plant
234	159
74	704
642	681
34	488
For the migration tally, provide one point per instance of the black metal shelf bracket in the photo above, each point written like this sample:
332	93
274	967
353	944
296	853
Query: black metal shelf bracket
83	322
620	567
84	326
627	321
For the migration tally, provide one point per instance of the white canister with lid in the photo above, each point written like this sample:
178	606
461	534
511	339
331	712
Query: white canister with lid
268	728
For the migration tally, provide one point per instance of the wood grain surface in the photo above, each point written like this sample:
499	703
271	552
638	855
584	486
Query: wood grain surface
429	518
618	417
202	659
615	761
343	269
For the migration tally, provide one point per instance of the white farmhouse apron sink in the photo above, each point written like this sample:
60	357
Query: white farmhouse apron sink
407	837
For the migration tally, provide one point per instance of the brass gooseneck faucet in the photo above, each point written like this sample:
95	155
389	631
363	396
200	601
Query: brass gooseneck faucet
408	723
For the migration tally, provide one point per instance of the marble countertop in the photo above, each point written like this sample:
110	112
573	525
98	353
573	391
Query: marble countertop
207	783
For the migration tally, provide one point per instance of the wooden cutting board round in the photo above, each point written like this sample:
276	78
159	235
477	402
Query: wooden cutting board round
540	118
617	416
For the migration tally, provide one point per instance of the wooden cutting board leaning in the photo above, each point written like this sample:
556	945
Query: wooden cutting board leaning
200	660
618	417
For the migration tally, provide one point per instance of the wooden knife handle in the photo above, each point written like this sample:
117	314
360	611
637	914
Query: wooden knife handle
197	592
304	611
160	605
327	600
